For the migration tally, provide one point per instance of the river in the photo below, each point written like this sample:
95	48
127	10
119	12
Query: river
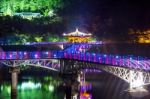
37	83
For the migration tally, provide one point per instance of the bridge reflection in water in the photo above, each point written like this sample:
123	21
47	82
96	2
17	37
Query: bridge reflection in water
32	87
47	87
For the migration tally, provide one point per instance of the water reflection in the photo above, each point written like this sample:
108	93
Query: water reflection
85	87
43	88
29	85
37	86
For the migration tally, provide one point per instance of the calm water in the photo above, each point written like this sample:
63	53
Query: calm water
37	83
32	87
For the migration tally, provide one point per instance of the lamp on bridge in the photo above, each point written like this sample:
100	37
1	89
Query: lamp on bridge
78	37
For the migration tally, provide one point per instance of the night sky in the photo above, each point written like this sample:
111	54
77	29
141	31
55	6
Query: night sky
132	11
112	15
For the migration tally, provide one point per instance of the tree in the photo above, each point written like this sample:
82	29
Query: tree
43	6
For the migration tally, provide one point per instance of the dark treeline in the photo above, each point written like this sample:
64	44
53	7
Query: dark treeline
11	25
45	26
15	29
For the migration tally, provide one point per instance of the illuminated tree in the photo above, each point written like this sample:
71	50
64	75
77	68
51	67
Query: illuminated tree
46	7
38	39
140	36
53	38
22	38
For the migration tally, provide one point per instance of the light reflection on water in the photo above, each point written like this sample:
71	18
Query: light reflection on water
45	88
85	87
29	85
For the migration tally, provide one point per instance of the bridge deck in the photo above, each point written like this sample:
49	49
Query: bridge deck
26	52
123	61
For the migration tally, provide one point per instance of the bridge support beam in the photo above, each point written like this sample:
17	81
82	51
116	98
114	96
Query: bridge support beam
14	80
68	89
71	86
69	72
135	78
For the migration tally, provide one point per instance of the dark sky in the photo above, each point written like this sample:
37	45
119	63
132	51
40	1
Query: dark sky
133	12
115	17
115	8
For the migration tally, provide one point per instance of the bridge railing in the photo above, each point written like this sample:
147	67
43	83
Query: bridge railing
19	55
116	60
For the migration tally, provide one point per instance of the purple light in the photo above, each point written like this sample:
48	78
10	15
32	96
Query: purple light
113	61
4	55
10	56
107	60
25	53
36	56
85	87
124	61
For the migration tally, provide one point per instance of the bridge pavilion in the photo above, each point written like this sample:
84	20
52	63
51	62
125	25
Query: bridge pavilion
78	37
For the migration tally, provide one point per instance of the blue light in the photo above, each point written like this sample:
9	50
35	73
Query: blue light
105	55
117	56
46	52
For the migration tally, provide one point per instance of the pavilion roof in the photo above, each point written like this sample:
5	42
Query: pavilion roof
77	33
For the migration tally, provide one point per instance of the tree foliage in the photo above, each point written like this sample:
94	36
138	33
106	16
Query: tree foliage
43	6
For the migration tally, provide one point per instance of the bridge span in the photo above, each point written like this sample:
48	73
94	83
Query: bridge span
75	57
